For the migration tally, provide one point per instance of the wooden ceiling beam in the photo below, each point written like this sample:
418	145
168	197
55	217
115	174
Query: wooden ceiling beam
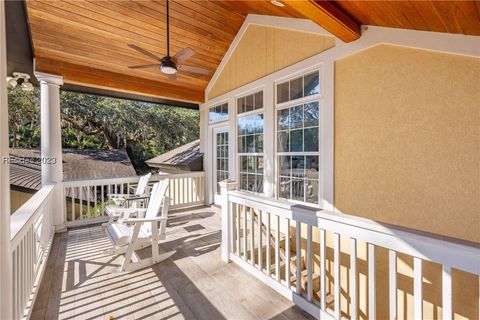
330	17
96	78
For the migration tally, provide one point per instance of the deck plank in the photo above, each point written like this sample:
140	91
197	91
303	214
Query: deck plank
81	283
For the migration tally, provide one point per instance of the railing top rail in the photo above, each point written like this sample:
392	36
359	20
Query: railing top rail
104	181
436	248
23	217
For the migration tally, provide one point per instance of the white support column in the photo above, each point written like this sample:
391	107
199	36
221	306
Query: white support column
226	186
51	141
6	302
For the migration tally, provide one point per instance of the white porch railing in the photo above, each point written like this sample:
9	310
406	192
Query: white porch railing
31	238
285	246
85	200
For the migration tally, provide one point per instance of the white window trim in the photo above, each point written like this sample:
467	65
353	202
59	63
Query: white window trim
320	153
243	115
225	101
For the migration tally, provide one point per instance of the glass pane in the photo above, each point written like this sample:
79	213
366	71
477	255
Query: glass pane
250	144
311	114
311	139
251	182
241	105
219	165
311	191
244	161
259	183
296	140
258	143
311	84
219	137
224	110
259	100
297	189
250	164
296	88
242	126
283	141
211	115
283	120
249	103
298	166
296	117
282	92
225	165
241	144
258	124
250	124
284	188
311	164
243	181
285	165
259	166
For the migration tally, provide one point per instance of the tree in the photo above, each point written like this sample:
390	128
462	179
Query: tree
144	130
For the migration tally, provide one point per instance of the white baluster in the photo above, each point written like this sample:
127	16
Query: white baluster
277	249
446	293
287	255
418	288
298	245
353	280
336	268
268	245
392	272
371	282
323	302
309	263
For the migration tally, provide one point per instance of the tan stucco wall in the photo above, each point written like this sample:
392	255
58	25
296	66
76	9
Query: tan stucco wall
263	50
407	139
407	152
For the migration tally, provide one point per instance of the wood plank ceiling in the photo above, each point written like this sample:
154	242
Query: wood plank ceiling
86	41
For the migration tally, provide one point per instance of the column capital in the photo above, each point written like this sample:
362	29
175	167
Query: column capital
48	78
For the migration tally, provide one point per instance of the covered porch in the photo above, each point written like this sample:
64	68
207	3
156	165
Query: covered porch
81	282
319	197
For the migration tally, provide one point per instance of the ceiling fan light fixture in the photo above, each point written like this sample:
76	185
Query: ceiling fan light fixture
277	3
168	66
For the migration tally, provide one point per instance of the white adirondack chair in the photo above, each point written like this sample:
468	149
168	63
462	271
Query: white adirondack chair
122	201
131	234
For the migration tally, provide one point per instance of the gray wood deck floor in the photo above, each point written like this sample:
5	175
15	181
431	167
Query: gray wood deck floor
80	282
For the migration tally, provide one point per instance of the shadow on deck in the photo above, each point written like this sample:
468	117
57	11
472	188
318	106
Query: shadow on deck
80	283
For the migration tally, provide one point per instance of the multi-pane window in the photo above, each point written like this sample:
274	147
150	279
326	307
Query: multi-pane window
249	103
250	143
218	113
222	158
304	86
298	139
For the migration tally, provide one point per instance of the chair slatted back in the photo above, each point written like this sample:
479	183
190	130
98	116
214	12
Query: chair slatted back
156	198
142	184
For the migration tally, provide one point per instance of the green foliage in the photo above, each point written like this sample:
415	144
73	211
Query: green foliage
144	130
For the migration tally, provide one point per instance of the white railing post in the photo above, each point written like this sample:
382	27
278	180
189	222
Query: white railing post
6	301
51	141
225	187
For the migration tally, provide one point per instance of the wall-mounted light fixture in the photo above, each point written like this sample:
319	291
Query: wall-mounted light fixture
20	79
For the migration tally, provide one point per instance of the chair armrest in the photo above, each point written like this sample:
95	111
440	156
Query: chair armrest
142	220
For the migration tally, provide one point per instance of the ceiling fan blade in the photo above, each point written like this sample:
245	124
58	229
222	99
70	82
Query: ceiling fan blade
172	77
183	55
145	52
143	66
193	69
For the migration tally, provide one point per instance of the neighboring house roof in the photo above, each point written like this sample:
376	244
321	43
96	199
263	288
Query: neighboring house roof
78	164
186	156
